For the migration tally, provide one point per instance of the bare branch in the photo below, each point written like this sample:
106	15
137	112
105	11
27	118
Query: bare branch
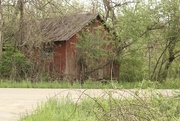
122	4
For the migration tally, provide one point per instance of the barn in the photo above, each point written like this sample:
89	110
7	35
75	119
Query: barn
59	53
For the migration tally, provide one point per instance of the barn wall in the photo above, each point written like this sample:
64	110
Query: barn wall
71	59
59	64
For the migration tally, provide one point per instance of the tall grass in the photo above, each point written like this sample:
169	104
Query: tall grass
89	84
154	108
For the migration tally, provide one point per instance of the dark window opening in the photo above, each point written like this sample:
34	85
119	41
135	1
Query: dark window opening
47	51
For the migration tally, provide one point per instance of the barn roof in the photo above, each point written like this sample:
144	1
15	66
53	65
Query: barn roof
63	28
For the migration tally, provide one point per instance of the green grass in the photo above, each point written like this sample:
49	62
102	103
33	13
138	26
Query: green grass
157	108
168	84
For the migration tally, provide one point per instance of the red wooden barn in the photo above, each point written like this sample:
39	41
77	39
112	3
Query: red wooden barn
60	53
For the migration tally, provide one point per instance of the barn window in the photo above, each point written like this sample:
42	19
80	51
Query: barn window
47	51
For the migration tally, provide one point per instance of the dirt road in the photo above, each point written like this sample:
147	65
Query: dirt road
17	102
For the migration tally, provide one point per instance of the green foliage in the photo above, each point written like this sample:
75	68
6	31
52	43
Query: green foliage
131	70
154	26
132	31
93	44
13	64
156	108
132	66
94	49
133	22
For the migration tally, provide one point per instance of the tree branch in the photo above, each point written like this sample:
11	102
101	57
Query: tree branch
122	4
97	68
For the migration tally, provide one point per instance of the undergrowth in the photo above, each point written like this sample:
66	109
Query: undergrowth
154	108
89	84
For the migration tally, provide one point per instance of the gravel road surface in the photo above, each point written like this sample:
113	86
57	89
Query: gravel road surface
17	102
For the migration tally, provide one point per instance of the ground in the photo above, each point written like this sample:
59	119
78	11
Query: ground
17	102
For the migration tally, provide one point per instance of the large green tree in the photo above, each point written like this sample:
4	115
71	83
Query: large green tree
169	12
149	29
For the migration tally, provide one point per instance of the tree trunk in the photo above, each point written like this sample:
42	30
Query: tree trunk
171	58
1	24
1	45
21	25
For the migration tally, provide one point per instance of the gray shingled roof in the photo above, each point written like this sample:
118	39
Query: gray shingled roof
63	28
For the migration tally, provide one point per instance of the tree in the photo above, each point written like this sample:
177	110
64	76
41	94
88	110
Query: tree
169	11
1	26
141	26
20	6
95	50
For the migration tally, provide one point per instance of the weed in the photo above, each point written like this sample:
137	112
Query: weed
145	84
155	108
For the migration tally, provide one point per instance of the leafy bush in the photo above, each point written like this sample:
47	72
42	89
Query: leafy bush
131	69
14	64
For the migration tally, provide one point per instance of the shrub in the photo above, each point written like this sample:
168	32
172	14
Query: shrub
154	108
131	69
14	64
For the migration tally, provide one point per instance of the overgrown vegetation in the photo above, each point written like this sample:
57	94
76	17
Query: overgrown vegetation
14	64
89	84
155	108
144	37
